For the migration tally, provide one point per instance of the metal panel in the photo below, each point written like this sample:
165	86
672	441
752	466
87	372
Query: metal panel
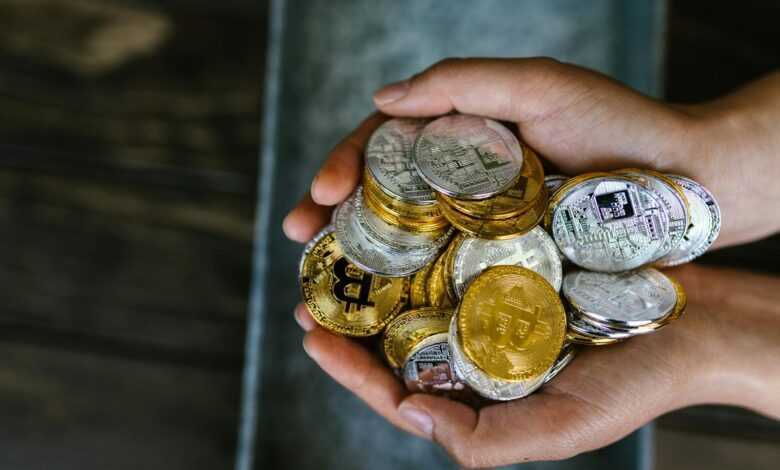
325	59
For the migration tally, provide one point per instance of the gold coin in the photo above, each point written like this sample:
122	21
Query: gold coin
417	294
408	329
577	338
497	229
435	286
512	323
512	202
397	206
343	298
449	261
411	224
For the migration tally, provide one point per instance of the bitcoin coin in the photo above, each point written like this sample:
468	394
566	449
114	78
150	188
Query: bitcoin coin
564	359
436	288
412	224
343	298
705	221
418	290
608	223
512	323
429	369
553	182
517	199
389	160
630	299
408	329
468	157
396	206
534	250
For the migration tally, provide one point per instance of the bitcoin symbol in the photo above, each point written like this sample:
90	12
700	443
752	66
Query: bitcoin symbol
342	291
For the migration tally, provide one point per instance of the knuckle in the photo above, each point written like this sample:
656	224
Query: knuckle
444	67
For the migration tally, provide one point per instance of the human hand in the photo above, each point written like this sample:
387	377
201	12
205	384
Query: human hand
724	350
583	121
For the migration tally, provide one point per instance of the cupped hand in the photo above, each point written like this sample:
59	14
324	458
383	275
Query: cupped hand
723	350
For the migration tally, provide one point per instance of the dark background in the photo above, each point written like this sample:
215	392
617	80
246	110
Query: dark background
128	163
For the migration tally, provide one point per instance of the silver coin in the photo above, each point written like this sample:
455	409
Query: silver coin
534	250
577	323
564	359
704	227
311	244
675	205
389	160
633	298
480	382
610	224
369	254
553	182
468	157
429	368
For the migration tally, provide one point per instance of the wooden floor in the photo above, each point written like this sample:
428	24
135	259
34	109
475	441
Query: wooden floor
128	150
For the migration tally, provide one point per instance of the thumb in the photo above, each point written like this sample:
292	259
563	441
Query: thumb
571	114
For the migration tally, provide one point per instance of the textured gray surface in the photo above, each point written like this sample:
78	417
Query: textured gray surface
332	55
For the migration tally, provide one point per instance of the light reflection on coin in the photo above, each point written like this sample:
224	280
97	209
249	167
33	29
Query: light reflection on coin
705	223
411	327
343	298
468	157
534	250
429	369
553	182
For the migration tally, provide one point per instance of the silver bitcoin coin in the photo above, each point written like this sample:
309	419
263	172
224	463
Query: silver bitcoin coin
704	227
429	368
389	160
564	359
482	383
534	250
370	254
468	157
676	207
609	224
553	182
632	299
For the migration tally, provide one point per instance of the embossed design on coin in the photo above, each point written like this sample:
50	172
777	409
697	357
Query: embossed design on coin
343	298
535	250
408	329
389	159
608	223
705	223
512	323
468	157
632	299
429	369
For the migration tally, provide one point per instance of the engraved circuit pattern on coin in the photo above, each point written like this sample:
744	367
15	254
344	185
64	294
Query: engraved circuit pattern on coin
632	298
704	227
535	250
468	157
512	323
608	223
343	298
389	160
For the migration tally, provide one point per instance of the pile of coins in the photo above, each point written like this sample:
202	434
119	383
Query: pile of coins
483	274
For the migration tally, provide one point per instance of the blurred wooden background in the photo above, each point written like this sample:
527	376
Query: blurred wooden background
128	160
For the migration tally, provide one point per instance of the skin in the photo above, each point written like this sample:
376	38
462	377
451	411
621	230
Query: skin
723	350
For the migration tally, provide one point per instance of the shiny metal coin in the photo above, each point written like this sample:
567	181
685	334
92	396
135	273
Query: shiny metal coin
630	299
609	223
370	254
553	182
534	250
429	368
564	359
389	160
468	157
704	227
675	203
578	325
328	229
482	383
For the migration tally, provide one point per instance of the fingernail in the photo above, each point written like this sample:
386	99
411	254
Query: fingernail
392	92
313	189
417	418
302	321
306	348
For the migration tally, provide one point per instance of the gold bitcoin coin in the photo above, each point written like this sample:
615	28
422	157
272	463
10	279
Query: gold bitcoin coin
418	224
512	202
497	229
343	298
408	329
436	289
512	323
397	206
419	286
449	261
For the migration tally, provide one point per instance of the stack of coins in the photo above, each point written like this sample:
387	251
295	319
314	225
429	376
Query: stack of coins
488	184
441	249
605	308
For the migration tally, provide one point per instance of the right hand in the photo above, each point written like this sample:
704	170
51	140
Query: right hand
584	121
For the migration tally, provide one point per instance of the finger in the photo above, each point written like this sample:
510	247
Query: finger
340	174
566	112
304	318
358	370
305	220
